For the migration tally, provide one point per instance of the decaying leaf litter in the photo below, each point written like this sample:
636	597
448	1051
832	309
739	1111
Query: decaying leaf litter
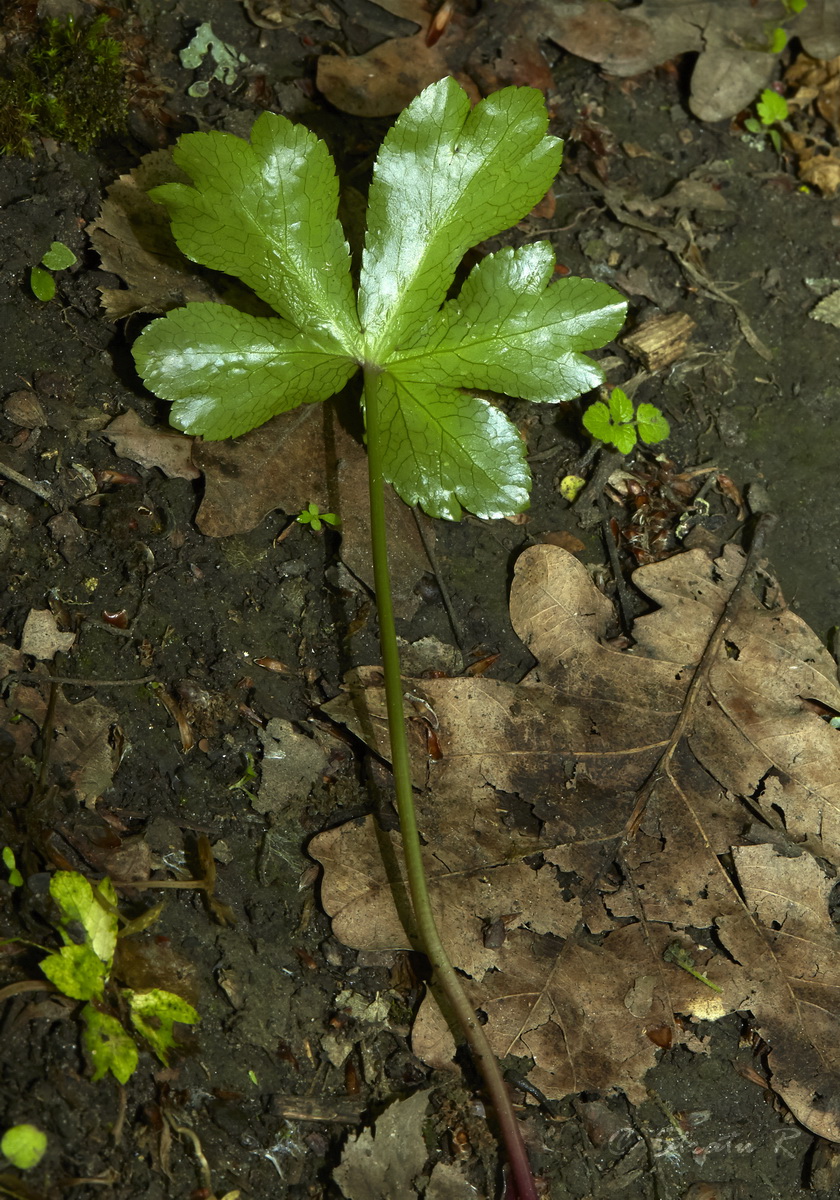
218	714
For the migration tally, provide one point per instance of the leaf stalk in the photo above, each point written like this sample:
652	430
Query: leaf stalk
426	927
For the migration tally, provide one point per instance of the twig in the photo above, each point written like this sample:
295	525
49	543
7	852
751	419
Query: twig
625	603
442	588
80	681
32	485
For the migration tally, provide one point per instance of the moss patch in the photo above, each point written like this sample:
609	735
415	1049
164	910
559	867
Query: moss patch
66	83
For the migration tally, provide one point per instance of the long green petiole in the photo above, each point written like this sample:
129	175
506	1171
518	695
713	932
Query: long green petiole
427	931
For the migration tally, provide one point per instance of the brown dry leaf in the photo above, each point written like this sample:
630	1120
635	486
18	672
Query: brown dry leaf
82	753
498	47
151	447
817	84
132	236
706	744
383	81
41	636
304	457
731	68
385	1162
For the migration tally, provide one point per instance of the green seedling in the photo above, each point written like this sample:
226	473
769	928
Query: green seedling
772	110
313	517
777	35
247	779
57	258
23	1146
617	423
679	956
9	862
88	926
446	178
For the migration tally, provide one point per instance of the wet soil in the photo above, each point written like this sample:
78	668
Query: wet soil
254	1083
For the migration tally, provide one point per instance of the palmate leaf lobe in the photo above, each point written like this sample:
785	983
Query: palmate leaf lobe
447	176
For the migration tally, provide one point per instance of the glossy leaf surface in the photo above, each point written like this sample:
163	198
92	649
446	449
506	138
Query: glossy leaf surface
447	176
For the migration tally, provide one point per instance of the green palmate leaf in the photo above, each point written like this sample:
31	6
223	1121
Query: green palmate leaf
229	372
93	909
154	1013
652	426
266	211
444	449
508	332
108	1045
76	971
446	178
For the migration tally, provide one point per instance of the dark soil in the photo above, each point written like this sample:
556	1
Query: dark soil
200	611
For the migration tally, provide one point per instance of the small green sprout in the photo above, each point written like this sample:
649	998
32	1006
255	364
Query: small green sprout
679	956
777	39
618	425
313	517
57	258
9	862
248	777
772	110
777	35
81	969
24	1146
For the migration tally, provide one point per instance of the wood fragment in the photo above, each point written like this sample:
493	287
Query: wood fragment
660	341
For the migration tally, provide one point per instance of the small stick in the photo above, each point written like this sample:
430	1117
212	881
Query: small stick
625	604
82	682
40	489
444	593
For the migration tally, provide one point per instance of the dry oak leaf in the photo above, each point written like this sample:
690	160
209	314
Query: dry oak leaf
302	457
642	772
133	238
83	753
495	48
151	447
732	64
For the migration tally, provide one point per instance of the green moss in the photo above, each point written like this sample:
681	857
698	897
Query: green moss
67	84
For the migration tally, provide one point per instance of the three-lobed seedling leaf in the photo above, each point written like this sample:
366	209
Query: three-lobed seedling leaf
446	177
315	519
618	424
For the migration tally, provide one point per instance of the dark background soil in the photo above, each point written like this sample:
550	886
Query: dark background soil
202	610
